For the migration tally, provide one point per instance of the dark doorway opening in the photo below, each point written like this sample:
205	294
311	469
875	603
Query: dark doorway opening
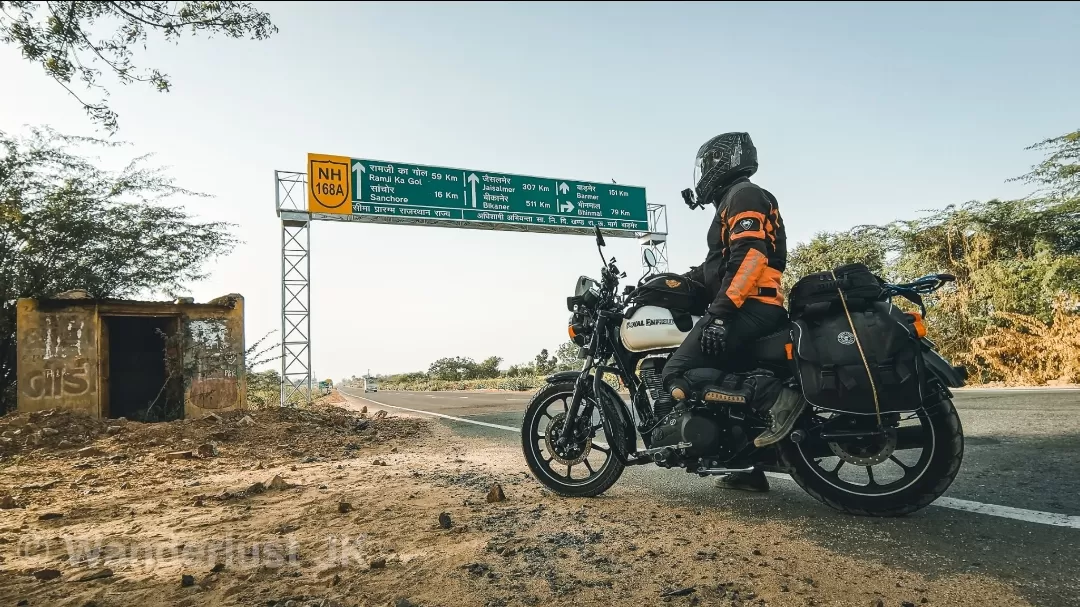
139	385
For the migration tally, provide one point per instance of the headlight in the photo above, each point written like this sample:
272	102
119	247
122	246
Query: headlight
577	329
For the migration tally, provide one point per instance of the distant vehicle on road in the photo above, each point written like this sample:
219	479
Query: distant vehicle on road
371	384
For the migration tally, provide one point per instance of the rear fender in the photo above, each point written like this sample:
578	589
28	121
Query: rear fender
951	376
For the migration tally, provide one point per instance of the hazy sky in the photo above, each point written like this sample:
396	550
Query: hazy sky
862	113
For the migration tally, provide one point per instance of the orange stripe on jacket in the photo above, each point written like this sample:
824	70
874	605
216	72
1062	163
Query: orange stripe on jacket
759	233
745	282
770	278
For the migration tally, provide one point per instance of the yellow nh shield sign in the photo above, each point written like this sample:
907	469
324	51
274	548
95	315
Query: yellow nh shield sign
329	184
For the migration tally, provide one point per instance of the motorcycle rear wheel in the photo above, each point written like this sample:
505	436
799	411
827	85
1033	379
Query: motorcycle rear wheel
921	483
542	420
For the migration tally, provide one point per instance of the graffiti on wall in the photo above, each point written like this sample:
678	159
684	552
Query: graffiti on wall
60	336
57	355
213	363
58	383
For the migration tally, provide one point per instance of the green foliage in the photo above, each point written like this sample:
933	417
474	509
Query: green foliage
1012	259
263	389
438	385
567	355
544	364
459	373
487	368
1059	172
825	251
62	38
458	368
66	224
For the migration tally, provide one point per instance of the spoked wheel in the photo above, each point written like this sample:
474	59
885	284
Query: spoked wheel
584	468
894	473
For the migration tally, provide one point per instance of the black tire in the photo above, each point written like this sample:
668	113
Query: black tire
599	480
938	472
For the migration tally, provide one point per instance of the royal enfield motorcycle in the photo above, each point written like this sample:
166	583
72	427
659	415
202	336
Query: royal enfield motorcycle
879	435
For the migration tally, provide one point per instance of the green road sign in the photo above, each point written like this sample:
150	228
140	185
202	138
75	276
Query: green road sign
364	187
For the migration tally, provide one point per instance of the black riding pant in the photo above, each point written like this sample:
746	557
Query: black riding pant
753	321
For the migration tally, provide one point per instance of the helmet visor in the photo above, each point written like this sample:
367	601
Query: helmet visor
702	164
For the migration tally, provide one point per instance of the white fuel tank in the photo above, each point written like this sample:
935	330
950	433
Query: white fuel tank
651	328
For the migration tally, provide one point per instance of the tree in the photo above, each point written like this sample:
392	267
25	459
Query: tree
826	251
65	224
62	38
1059	172
567	357
522	370
452	369
544	363
487	369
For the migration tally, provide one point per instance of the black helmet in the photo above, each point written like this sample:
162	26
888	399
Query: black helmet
720	161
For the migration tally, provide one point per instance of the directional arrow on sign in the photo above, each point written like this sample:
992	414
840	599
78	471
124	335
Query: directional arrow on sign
359	170
472	181
564	188
566	207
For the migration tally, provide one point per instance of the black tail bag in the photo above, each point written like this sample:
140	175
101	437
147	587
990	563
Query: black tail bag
818	294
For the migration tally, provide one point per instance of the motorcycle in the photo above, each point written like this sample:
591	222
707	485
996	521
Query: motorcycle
579	434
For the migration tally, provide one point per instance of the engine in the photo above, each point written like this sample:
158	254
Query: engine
714	431
651	373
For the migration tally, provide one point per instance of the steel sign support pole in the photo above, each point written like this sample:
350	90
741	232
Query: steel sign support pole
296	386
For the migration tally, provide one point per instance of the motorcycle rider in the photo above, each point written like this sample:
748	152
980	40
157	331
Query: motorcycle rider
741	273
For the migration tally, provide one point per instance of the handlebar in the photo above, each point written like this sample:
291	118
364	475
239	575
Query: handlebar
922	286
917	288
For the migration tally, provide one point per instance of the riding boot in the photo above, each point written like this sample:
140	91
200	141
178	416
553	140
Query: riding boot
783	413
745	481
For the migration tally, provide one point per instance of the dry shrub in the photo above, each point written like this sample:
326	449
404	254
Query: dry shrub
1030	352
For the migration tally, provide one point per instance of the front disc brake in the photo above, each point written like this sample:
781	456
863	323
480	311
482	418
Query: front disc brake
569	455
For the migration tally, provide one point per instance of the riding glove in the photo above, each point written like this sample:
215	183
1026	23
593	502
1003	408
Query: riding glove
714	337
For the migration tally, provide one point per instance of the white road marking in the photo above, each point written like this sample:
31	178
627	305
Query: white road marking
974	390
444	416
1020	514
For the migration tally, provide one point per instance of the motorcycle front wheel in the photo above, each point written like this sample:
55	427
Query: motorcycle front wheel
872	477
585	468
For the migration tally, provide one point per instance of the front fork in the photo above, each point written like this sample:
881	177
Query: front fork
581	385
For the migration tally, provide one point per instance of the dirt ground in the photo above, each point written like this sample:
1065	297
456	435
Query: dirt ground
327	506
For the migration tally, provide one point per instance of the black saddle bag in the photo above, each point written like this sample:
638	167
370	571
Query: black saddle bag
833	373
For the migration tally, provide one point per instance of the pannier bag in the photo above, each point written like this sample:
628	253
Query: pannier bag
833	374
816	294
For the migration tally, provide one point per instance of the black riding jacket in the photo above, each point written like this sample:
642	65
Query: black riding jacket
747	250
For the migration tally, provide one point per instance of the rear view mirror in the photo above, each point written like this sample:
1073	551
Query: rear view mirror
650	258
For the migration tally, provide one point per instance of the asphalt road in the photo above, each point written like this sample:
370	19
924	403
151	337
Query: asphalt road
1022	460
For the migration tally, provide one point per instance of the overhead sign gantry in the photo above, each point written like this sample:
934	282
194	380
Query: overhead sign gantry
343	188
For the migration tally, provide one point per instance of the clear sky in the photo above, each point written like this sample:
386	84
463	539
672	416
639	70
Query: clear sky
862	113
